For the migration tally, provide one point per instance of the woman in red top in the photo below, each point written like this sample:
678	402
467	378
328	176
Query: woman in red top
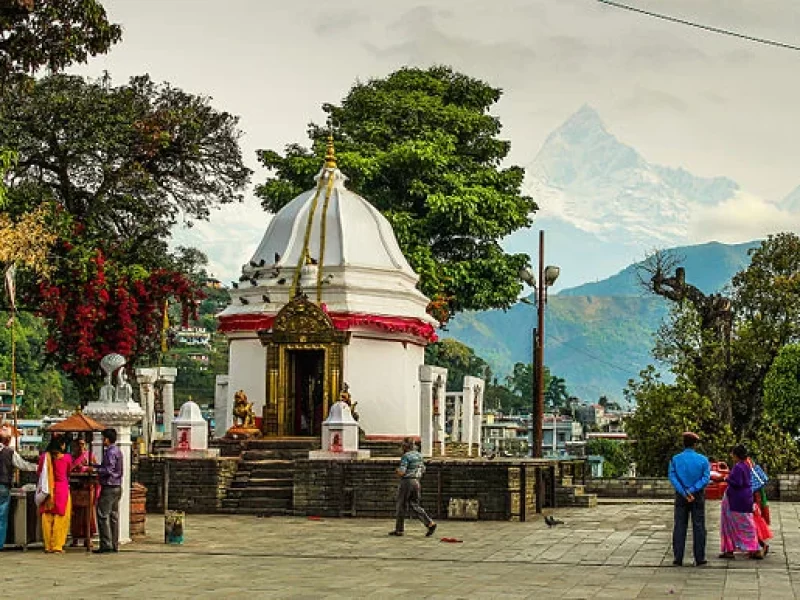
55	510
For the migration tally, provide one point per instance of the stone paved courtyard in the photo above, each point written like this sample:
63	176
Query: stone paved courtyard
613	551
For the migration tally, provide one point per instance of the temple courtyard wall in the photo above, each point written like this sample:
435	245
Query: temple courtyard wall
503	489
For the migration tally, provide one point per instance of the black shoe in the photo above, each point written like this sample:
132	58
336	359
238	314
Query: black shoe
431	529
102	551
677	563
396	533
700	563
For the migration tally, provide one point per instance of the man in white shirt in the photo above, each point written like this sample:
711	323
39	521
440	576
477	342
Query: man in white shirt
9	460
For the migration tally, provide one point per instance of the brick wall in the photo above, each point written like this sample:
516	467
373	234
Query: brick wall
368	488
196	485
785	487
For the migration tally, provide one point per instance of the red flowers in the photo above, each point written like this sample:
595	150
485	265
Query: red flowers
97	306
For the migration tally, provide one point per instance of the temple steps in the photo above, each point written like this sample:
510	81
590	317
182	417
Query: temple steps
264	480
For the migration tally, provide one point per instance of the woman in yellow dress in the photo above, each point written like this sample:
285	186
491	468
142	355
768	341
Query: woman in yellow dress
56	508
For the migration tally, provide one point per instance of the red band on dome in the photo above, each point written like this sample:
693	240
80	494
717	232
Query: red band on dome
342	321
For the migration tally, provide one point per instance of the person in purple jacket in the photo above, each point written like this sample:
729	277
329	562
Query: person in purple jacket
110	472
737	528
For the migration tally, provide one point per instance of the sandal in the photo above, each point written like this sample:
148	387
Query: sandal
728	555
759	555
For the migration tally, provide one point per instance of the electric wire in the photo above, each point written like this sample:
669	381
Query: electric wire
710	28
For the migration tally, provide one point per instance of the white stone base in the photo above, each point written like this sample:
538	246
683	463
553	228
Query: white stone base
326	455
176	453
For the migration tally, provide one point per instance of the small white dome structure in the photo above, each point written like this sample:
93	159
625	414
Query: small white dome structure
328	297
190	429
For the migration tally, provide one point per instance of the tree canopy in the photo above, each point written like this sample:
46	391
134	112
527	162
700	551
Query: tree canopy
112	169
52	34
422	146
720	350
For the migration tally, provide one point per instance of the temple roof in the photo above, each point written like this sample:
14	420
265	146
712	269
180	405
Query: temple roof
335	247
344	230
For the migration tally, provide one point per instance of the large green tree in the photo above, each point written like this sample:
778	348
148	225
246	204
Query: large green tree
423	147
51	33
782	390
459	359
721	350
117	167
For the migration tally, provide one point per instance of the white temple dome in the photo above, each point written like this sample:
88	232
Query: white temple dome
356	233
345	257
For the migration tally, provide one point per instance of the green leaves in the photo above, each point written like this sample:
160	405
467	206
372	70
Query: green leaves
421	146
52	34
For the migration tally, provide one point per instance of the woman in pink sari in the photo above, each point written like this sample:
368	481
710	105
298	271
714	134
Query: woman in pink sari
82	461
737	528
55	510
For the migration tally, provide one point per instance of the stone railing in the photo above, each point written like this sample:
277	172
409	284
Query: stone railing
785	487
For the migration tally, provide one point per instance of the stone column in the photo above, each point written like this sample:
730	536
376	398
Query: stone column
146	379
223	411
166	377
466	414
473	395
458	416
432	405
478	393
439	390
120	416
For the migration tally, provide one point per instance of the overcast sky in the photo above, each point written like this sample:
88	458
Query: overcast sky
682	97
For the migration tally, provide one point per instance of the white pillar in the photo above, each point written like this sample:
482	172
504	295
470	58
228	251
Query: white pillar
223	411
478	392
166	377
431	405
473	411
440	387
145	377
458	417
120	416
124	444
466	414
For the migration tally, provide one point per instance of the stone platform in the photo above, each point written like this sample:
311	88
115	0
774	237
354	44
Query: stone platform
615	551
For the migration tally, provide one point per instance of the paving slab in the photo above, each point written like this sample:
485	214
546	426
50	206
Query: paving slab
612	551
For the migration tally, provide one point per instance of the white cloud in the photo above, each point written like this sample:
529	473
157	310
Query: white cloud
742	218
229	239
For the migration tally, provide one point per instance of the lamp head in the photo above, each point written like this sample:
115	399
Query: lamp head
526	276
551	273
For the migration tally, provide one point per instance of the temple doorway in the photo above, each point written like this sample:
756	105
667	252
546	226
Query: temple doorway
306	391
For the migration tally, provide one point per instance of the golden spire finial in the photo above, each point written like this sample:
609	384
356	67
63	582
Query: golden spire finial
330	155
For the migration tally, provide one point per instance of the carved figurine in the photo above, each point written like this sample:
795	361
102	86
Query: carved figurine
348	399
124	389
243	410
110	363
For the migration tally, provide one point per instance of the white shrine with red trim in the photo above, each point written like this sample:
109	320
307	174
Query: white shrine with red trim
327	299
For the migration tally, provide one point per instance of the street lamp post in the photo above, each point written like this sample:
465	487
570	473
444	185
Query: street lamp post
547	277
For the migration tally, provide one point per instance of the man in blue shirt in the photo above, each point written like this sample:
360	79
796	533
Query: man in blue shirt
111	477
689	473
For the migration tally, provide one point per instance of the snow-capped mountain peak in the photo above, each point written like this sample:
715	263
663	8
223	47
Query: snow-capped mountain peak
584	175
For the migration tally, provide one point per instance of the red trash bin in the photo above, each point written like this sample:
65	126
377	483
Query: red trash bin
716	489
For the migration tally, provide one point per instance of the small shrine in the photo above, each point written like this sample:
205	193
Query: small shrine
190	429
328	296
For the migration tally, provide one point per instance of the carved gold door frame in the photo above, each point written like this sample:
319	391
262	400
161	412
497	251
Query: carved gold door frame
300	325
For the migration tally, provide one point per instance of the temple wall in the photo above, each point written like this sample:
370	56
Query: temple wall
369	488
384	380
197	485
248	371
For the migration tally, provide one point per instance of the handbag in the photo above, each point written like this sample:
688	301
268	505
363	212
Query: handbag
758	477
43	490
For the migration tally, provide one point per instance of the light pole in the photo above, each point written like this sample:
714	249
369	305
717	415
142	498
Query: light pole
547	277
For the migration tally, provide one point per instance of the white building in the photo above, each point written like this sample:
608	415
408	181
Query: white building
328	298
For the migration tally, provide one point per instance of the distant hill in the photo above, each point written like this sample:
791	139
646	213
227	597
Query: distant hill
708	266
597	335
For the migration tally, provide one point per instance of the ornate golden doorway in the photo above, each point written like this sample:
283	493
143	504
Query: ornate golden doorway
305	391
304	369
